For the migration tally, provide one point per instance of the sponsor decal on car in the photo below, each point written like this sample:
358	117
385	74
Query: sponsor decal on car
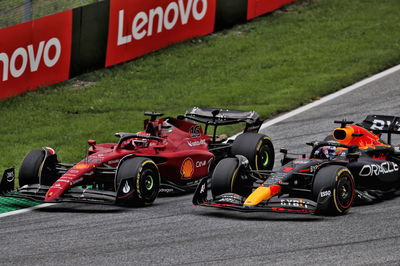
196	143
126	188
201	163
187	168
325	193
378	169
166	190
10	176
294	203
378	124
81	166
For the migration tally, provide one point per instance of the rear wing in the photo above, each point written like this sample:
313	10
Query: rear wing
382	124
218	117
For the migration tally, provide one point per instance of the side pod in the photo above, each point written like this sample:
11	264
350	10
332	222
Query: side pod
8	181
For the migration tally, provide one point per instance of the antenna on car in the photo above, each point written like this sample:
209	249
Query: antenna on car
153	115
214	114
343	123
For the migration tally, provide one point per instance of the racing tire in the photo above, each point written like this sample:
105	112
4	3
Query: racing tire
227	178
30	167
257	148
137	182
333	190
37	168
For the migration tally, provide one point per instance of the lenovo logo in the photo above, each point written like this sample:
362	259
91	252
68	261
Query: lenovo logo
158	19
30	57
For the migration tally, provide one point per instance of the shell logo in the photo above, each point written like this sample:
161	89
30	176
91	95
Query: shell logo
187	168
81	166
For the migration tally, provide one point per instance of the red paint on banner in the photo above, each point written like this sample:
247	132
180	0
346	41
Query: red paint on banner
138	27
35	53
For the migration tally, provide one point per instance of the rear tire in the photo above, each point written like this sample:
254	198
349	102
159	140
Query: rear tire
137	182
333	189
227	178
257	148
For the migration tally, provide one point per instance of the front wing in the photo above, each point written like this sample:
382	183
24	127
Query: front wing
37	192
234	202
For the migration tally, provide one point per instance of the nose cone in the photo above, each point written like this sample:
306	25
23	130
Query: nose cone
262	193
56	190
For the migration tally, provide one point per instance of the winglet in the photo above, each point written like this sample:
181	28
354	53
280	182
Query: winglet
200	195
7	182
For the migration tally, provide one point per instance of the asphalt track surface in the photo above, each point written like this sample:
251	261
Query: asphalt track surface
173	232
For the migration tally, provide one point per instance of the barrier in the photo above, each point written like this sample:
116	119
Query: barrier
60	46
35	53
260	7
89	37
138	27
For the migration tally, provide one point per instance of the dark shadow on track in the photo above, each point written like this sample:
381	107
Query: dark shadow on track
263	216
63	209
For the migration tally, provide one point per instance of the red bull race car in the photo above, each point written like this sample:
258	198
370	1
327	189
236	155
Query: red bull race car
170	156
354	165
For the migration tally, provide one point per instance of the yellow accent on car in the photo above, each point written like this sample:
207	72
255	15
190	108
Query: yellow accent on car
258	195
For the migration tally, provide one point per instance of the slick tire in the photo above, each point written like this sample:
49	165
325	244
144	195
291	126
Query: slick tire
257	148
137	182
30	167
333	190
228	178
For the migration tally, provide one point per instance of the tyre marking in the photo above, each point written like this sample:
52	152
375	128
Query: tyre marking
334	192
233	178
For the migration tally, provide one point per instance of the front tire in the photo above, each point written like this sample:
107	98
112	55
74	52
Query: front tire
257	148
137	182
227	177
333	189
30	167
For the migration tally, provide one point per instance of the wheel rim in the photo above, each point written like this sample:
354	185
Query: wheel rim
149	182
263	158
345	191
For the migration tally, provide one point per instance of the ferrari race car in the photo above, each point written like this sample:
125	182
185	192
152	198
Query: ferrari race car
171	156
352	165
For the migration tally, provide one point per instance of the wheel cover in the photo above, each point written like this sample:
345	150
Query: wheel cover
149	182
264	158
345	191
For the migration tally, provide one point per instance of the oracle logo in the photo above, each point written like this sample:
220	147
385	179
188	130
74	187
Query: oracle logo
143	24
23	57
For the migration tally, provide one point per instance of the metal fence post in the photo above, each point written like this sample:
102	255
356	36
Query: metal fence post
27	10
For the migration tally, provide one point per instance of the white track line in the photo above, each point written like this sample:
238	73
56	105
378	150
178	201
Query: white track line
26	210
272	121
330	97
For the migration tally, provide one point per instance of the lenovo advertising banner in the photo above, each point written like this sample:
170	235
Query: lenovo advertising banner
260	7
138	27
35	53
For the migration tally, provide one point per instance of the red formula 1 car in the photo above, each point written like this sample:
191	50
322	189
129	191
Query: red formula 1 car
353	165
171	156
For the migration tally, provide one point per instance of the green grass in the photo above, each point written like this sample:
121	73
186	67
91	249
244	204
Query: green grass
272	64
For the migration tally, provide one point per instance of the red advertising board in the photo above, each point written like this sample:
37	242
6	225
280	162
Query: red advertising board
260	7
138	27
35	53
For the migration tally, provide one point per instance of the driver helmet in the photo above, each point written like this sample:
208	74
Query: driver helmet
140	142
330	152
